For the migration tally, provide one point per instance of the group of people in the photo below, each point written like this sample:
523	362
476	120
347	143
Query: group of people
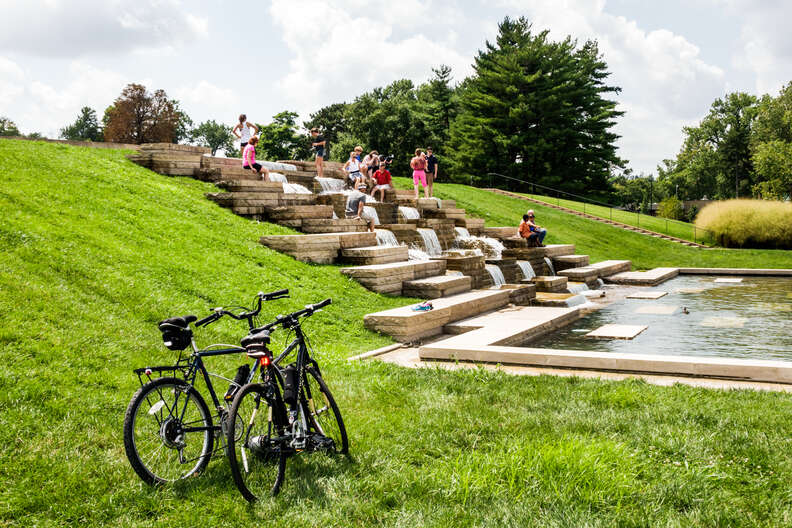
247	144
531	231
374	168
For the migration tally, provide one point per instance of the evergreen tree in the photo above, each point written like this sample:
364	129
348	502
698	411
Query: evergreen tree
438	105
85	127
536	111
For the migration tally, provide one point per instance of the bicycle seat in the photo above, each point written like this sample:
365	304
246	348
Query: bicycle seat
182	322
256	340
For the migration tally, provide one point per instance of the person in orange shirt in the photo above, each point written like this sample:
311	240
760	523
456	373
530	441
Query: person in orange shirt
529	229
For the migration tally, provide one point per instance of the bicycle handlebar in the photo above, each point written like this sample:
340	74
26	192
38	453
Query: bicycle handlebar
220	312
287	319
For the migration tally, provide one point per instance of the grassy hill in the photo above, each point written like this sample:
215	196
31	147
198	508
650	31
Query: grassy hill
94	251
601	241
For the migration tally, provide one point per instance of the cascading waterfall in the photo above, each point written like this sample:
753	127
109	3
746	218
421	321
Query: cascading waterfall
409	213
416	253
370	199
600	283
577	288
386	238
496	274
295	188
576	300
550	266
490	247
371	213
461	232
331	185
277	177
527	269
431	242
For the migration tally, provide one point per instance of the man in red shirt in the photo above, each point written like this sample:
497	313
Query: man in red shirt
383	179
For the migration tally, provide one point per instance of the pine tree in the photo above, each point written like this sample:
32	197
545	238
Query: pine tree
536	111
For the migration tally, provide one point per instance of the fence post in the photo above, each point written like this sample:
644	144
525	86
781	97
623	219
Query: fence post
667	233
584	207
694	234
611	213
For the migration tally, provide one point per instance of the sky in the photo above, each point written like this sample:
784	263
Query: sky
222	58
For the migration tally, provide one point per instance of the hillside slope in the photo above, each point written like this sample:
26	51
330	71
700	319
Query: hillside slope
94	251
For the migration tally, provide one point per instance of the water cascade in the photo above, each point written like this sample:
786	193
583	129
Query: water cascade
431	242
461	232
331	185
496	274
372	213
295	188
386	238
577	288
600	284
277	177
409	213
490	247
550	266
527	269
370	199
416	253
576	300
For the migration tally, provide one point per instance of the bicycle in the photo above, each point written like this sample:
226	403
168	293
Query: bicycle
169	431
291	410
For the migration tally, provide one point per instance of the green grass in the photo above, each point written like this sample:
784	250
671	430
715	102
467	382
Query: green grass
601	241
683	230
95	250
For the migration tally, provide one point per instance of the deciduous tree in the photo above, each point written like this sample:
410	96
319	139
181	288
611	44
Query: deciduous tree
8	127
214	135
140	117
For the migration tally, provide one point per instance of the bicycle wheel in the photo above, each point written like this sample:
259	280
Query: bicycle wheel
325	418
255	453
168	433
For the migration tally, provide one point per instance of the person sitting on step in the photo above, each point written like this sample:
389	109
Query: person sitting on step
355	206
353	168
383	182
531	231
249	159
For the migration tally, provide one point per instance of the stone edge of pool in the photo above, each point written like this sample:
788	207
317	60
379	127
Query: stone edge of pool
488	339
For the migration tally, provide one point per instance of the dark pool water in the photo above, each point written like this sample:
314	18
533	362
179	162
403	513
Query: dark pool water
751	319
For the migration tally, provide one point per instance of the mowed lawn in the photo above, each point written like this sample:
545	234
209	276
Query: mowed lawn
94	251
598	240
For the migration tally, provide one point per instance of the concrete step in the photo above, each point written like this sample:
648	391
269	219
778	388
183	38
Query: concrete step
405	325
340	225
318	248
644	278
589	274
520	294
499	232
437	286
553	284
563	262
365	256
388	278
301	212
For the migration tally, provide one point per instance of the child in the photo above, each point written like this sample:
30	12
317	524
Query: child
383	178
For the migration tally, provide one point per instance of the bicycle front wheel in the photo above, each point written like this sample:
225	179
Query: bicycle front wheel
255	443
168	432
325	418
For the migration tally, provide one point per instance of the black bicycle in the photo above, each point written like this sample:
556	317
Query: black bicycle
169	431
290	410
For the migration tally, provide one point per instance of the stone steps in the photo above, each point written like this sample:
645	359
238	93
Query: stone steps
318	248
550	284
388	278
405	325
562	262
644	278
334	225
437	286
366	256
520	294
300	213
589	274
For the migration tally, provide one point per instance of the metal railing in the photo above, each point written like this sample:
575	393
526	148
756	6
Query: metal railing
556	193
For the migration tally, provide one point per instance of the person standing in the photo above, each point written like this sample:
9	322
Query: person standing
431	169
318	145
249	159
243	129
418	165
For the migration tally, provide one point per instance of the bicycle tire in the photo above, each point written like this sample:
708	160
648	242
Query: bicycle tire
155	441
326	419
246	456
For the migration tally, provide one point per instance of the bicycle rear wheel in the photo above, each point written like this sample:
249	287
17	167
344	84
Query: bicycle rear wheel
255	452
324	416
168	432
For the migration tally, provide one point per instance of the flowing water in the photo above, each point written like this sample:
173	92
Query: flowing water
580	287
750	319
277	177
331	185
430	241
527	269
490	247
496	274
409	213
416	253
295	188
550	266
461	232
386	238
371	213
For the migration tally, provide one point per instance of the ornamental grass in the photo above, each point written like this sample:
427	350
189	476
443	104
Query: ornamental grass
749	223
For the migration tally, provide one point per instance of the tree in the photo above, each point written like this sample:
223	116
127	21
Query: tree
715	159
214	135
773	163
139	117
8	127
438	105
537	111
85	128
331	121
280	140
671	208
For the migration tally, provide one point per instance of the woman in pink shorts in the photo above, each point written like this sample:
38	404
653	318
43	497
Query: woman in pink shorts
418	164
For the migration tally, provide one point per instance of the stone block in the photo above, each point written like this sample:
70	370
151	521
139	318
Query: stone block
563	262
520	294
644	278
375	255
341	225
550	284
499	232
437	286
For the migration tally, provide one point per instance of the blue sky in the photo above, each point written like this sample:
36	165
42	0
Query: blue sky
221	58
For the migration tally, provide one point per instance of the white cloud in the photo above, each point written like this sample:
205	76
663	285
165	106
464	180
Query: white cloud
205	100
11	82
79	27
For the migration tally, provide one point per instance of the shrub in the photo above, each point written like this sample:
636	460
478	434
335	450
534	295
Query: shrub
691	213
671	208
749	223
